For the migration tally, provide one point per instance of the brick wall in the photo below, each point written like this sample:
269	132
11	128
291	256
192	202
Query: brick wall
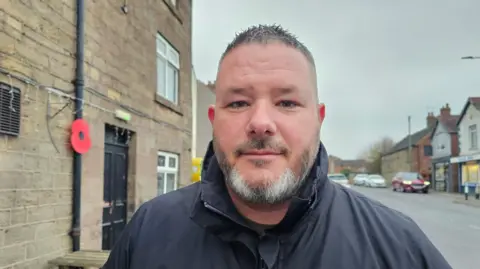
422	164
37	41
454	166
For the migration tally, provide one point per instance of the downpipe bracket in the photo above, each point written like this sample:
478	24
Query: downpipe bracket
75	232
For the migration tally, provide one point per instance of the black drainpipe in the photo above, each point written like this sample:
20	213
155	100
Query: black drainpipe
77	158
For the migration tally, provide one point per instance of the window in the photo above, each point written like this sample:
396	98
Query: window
473	135
168	66
173	2
167	172
427	150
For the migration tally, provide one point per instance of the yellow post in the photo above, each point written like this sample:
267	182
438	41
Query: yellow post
196	169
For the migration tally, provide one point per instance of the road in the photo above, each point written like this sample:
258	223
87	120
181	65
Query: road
453	228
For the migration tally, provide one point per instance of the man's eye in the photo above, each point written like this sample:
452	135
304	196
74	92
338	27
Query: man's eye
238	104
288	104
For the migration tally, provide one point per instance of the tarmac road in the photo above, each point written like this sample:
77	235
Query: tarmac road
453	228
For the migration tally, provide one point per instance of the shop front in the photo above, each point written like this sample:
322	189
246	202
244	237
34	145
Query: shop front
441	174
444	175
469	172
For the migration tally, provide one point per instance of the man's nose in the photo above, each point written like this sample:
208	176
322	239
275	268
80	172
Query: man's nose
261	122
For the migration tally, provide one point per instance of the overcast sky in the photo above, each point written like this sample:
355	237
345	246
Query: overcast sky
378	61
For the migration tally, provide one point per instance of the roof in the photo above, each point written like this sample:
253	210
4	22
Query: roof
450	123
334	158
415	137
352	163
208	85
474	101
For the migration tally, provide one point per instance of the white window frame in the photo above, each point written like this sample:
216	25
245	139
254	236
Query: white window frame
473	136
167	170
170	56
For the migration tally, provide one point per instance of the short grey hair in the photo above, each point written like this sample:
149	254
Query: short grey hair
265	34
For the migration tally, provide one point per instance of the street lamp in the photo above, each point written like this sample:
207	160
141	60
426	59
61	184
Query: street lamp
470	57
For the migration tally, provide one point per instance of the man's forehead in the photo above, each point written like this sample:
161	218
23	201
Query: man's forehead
269	53
283	68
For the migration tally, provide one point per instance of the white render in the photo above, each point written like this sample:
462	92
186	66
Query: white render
472	116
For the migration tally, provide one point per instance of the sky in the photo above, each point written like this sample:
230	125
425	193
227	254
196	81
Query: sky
377	61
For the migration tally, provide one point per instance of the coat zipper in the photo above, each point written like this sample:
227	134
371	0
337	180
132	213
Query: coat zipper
213	209
262	264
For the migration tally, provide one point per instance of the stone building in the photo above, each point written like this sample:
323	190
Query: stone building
338	165
398	159
136	101
420	160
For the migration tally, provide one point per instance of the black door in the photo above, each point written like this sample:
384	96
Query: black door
115	186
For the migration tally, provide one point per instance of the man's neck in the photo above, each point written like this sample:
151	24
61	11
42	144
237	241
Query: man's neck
260	214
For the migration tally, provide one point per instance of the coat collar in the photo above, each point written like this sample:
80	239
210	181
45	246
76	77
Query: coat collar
213	208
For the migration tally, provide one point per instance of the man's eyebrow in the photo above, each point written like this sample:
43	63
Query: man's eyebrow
286	90
290	89
237	90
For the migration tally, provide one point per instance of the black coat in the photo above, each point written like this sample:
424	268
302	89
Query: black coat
327	227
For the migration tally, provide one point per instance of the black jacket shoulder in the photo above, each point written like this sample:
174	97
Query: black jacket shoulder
395	239
162	222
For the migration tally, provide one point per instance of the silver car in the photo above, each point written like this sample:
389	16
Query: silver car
360	179
340	179
375	181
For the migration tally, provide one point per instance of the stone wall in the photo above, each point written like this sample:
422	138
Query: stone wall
37	43
394	163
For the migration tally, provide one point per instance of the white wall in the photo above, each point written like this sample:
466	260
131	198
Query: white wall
194	113
472	116
441	142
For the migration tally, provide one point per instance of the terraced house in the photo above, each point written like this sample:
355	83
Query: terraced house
95	119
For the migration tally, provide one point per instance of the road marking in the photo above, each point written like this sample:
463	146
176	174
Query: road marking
475	227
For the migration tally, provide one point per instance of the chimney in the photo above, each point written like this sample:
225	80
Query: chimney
211	85
445	111
431	120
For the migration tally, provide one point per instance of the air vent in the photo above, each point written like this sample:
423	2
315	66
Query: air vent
10	99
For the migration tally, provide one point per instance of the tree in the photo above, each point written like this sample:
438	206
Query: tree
346	172
373	154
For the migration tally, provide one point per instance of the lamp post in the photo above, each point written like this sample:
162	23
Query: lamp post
409	143
470	57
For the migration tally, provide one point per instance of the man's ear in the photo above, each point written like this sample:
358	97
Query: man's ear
321	112
211	113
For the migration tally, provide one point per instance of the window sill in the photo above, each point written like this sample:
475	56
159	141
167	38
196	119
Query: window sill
166	103
174	10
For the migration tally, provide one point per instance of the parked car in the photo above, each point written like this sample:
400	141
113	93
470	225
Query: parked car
340	179
375	181
410	182
359	179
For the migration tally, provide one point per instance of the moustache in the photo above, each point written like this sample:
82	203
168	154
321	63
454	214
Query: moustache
261	144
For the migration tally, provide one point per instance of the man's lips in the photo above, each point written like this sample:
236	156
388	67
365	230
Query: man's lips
261	153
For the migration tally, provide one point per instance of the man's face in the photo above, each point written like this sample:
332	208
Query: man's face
266	121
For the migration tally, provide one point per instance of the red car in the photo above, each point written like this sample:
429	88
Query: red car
410	182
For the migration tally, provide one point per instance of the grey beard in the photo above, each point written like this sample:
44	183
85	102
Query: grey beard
272	192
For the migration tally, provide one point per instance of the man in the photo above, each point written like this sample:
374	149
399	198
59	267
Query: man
264	200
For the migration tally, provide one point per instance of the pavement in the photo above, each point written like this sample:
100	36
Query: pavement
470	202
453	227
